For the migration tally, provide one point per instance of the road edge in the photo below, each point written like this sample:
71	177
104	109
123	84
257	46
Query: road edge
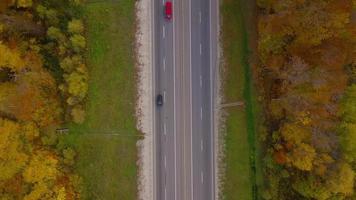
144	108
217	114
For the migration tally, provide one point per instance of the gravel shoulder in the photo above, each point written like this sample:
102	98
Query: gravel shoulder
144	102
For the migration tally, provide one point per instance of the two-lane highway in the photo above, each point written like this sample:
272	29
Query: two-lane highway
184	66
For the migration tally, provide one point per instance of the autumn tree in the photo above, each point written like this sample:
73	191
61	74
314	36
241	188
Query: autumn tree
306	49
12	149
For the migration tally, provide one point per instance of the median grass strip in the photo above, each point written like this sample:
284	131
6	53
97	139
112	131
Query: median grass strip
106	141
240	151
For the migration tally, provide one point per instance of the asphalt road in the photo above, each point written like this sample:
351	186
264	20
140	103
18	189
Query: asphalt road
184	69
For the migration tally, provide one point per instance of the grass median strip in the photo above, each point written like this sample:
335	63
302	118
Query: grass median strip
106	141
240	150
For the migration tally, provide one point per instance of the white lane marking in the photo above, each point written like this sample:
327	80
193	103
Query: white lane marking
201	113
200	49
164	64
201	81
164	96
164	32
165	129
201	145
200	17
202	176
165	192
163	2
165	161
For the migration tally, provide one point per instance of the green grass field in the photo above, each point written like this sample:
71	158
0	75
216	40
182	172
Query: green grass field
106	141
240	180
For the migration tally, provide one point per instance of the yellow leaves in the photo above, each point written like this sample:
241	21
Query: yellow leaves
302	157
294	133
76	26
304	118
10	58
42	191
31	131
42	167
12	156
77	84
342	180
339	20
61	194
78	42
38	191
24	3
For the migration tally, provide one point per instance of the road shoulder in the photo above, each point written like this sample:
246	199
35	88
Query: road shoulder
144	107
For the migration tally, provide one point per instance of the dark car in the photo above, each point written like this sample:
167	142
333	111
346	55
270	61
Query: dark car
168	10
159	100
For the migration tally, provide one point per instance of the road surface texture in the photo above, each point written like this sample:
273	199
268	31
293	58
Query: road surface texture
185	58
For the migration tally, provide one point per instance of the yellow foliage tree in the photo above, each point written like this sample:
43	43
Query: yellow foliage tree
12	155
10	58
43	166
24	3
302	157
31	131
342	180
294	133
77	84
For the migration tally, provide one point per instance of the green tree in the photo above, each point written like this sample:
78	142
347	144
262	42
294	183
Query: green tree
56	34
69	156
348	105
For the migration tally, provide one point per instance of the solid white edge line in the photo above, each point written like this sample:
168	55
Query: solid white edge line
153	49
191	102
174	106
212	105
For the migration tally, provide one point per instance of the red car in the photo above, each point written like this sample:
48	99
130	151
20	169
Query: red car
168	10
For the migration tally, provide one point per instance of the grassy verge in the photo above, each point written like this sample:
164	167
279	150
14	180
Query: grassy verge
106	141
242	167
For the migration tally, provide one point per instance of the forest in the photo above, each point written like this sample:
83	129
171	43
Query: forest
306	78
43	84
